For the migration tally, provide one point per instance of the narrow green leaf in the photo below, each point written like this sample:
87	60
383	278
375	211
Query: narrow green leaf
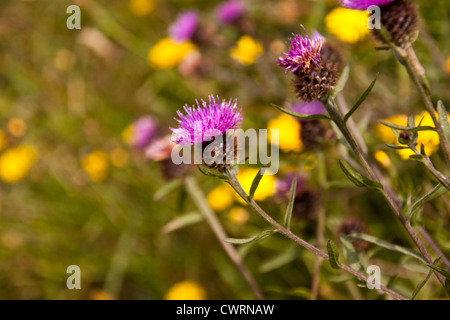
333	254
342	81
350	254
423	282
302	116
444	272
166	189
408	129
417	157
357	178
361	100
388	245
443	120
182	221
256	181
287	217
258	237
436	192
395	147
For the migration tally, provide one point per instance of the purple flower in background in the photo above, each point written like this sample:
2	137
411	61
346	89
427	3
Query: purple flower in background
309	108
184	26
230	11
206	121
302	53
283	185
142	131
363	4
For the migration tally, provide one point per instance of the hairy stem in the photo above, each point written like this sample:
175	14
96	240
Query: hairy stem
233	181
199	199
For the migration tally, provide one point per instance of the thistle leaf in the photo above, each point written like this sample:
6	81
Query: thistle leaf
361	100
423	282
258	237
333	254
256	181
350	254
443	120
388	245
287	217
358	179
407	129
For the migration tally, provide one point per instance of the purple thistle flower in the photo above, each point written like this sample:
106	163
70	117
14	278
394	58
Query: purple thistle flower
309	108
184	26
363	4
206	121
302	52
230	11
142	131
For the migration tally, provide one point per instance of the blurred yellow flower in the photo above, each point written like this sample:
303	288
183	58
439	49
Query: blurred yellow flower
127	134
288	132
186	290
346	24
96	165
310	162
16	162
141	8
166	54
118	157
3	140
16	127
238	215
221	197
247	50
382	158
266	186
430	139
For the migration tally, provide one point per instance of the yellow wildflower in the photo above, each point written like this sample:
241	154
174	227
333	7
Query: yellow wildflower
141	8
288	132
127	134
266	186
221	197
96	165
247	50
16	162
118	157
382	158
98	294
238	215
166	54
16	127
186	290
346	24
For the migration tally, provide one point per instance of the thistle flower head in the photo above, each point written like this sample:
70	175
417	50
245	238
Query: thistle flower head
184	27
230	11
363	4
302	53
206	121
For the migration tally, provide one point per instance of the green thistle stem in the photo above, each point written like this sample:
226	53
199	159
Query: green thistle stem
233	181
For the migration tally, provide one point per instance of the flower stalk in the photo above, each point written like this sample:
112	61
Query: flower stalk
233	181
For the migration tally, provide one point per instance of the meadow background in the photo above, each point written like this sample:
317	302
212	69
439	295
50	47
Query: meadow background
75	191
